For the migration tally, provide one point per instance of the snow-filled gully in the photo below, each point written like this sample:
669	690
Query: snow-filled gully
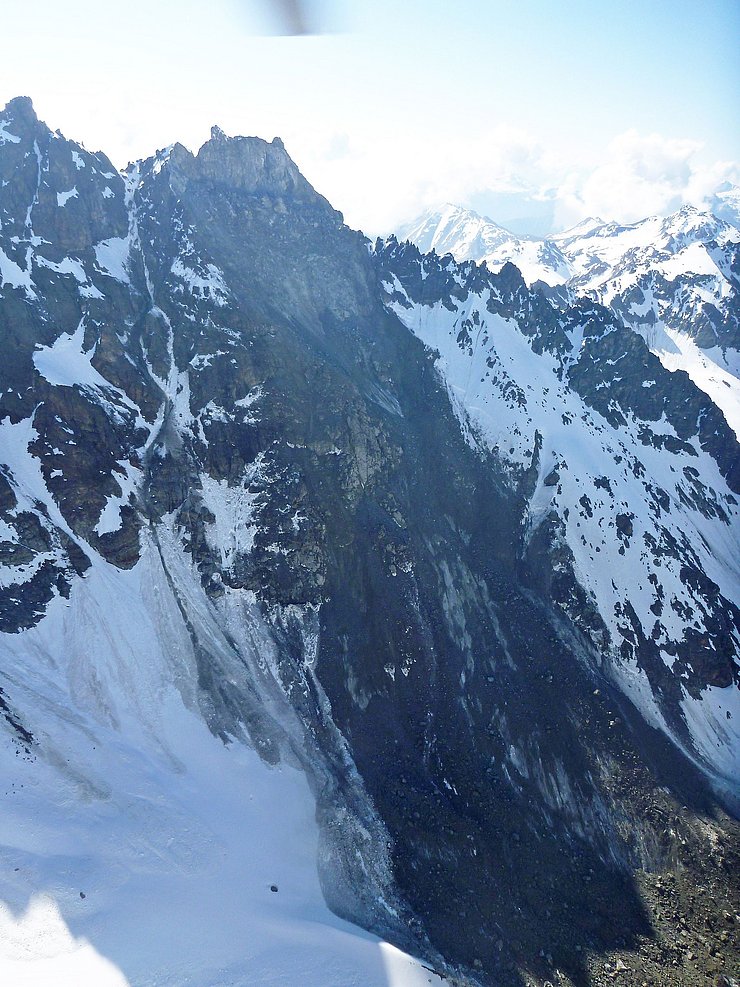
152	847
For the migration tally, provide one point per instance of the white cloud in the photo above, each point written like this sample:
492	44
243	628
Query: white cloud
382	180
640	176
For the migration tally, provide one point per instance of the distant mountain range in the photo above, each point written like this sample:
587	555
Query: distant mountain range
674	279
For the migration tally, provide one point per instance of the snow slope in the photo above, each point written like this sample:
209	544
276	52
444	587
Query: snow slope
461	232
194	703
138	848
671	279
714	370
624	506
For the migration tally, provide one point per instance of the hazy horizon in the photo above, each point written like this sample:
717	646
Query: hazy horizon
534	116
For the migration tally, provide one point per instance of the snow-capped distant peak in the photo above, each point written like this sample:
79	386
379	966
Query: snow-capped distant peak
670	278
585	226
725	204
456	230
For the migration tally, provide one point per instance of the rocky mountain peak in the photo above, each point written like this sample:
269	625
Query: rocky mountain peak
19	128
725	203
587	225
20	111
249	164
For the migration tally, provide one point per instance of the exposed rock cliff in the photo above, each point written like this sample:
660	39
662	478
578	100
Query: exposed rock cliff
376	487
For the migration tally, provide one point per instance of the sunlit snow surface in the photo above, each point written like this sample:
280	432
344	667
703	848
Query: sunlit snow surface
606	261
468	236
136	847
717	373
505	393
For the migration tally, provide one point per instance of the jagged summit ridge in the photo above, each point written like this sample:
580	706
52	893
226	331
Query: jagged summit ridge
249	164
19	111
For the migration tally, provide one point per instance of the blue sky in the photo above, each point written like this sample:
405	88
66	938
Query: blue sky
533	111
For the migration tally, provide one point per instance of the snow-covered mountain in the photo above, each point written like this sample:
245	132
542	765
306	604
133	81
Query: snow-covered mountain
725	203
674	279
355	605
604	458
167	817
468	236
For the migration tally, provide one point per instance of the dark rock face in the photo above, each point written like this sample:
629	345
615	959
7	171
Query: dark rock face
202	351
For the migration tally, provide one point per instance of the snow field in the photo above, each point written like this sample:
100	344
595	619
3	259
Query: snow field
173	837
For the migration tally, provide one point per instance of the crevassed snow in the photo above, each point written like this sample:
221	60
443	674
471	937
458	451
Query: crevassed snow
112	257
136	848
